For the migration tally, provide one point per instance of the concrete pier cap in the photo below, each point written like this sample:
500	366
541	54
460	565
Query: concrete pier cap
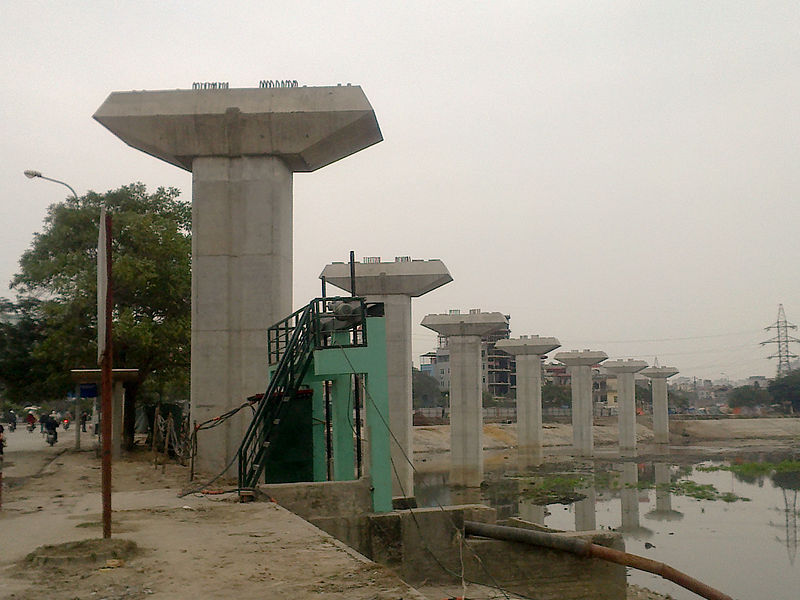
624	366
528	345
576	358
402	276
243	147
455	323
659	372
394	283
307	127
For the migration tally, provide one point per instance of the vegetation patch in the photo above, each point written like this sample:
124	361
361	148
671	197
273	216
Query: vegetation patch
755	469
554	489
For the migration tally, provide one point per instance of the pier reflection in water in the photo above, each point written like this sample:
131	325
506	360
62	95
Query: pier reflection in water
642	500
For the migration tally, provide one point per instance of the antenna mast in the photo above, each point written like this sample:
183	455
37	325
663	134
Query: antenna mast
782	339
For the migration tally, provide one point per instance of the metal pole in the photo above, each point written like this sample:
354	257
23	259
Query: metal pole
352	273
326	386
76	420
590	550
106	383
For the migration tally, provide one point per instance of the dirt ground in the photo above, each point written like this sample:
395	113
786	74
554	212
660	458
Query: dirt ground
190	547
215	547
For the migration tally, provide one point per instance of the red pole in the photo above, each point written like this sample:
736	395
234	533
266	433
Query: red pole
106	391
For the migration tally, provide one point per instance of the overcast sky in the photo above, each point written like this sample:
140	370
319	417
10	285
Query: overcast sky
621	175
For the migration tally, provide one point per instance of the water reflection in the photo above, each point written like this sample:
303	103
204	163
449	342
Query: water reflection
663	481
702	537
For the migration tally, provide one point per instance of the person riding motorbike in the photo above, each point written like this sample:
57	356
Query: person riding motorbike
50	426
31	420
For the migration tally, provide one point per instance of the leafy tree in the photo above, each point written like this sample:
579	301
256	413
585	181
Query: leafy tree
678	400
643	394
748	395
151	252
425	390
23	378
554	395
786	389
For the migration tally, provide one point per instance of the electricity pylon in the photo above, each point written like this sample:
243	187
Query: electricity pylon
782	339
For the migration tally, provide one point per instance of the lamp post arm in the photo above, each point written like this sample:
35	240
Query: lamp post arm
62	183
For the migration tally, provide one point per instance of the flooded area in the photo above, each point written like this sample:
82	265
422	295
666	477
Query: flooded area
730	524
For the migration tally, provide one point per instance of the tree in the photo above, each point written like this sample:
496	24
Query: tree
425	390
554	395
151	289
750	396
678	400
786	389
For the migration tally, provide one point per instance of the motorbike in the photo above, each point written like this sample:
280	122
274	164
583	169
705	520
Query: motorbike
65	424
31	427
12	425
50	437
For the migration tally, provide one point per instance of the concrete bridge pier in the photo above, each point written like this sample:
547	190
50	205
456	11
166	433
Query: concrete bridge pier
463	333
243	147
395	284
624	371
579	366
528	352
658	380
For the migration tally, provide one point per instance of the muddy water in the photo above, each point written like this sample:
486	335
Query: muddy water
747	549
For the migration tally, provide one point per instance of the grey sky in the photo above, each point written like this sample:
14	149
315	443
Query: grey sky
623	176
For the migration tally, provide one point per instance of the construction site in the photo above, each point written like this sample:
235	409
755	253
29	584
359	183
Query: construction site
304	459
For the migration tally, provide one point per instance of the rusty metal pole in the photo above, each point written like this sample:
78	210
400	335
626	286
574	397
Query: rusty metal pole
106	391
590	550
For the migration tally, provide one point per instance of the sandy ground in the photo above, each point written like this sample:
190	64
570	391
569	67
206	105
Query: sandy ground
191	547
215	547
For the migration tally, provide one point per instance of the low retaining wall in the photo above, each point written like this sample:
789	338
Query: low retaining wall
424	545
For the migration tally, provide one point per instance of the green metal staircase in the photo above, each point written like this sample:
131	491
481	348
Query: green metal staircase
290	349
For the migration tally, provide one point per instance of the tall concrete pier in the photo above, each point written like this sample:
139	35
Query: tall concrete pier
528	352
624	371
579	366
658	378
394	284
466	415
242	147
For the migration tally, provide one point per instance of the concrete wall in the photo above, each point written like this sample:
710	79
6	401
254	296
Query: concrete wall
422	546
408	543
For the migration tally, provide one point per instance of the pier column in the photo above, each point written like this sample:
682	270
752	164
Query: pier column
626	394
579	366
463	333
242	147
528	352
394	284
658	380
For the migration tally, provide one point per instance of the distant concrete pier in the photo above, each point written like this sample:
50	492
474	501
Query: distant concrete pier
579	365
658	379
463	333
528	352
624	371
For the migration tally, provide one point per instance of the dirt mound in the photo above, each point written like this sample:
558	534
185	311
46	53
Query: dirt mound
84	551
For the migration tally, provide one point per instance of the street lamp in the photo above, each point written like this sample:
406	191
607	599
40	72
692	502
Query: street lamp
31	174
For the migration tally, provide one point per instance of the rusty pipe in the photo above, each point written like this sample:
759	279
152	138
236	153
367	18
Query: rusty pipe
590	550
